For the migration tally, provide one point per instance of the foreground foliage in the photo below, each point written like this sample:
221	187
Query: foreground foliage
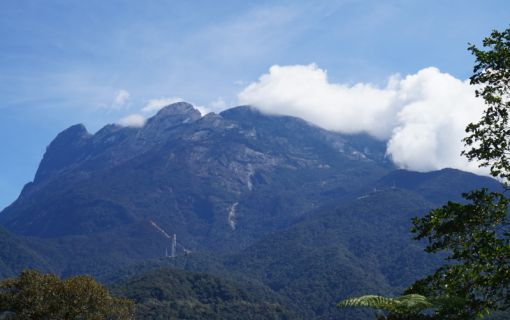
475	236
489	140
410	306
34	295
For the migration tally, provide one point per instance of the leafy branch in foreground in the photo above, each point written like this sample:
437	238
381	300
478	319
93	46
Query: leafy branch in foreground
476	238
489	139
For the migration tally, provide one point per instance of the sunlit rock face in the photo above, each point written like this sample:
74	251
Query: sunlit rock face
187	171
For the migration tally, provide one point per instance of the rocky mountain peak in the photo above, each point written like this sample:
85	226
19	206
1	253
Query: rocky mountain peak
74	132
179	109
171	116
240	112
63	150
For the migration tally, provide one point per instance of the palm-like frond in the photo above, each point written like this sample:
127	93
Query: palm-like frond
368	301
410	303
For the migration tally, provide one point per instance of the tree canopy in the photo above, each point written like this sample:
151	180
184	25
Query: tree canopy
33	295
476	238
488	140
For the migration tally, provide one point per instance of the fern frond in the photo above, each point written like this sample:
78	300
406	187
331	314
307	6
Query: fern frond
412	303
406	304
369	301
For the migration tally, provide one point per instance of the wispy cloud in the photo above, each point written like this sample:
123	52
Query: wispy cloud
218	104
121	98
256	32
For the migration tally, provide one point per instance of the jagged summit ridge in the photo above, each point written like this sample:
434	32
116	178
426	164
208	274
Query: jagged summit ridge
75	144
63	150
172	115
159	127
186	171
178	108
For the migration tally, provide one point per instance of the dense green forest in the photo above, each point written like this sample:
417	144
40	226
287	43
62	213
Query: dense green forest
177	294
16	255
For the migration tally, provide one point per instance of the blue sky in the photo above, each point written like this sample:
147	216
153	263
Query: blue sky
66	62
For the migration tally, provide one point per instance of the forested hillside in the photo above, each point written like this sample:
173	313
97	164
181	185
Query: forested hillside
178	294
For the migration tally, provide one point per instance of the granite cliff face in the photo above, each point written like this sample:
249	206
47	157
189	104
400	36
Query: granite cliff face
220	181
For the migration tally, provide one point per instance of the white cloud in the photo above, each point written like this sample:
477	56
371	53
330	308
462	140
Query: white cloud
435	110
422	116
132	120
304	91
268	28
203	110
218	104
156	104
121	98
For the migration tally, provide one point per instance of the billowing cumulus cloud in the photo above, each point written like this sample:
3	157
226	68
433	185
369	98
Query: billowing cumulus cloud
422	116
132	120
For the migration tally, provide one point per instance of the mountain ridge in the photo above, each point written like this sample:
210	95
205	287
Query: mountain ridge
242	154
310	215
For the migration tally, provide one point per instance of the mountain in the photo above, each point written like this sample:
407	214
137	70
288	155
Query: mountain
16	255
361	247
273	209
220	182
439	187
